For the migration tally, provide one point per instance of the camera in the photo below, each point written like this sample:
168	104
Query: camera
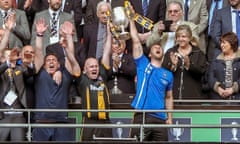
167	24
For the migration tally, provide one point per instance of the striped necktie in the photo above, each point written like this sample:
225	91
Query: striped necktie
217	4
54	24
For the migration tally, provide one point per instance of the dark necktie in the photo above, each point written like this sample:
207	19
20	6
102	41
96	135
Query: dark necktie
145	7
238	25
4	16
186	8
217	4
10	76
54	24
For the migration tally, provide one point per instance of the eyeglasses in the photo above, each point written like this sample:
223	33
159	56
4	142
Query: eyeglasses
173	11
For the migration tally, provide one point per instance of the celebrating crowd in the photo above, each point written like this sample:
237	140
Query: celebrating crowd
51	50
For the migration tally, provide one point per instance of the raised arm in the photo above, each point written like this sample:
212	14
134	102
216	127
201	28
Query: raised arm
41	27
71	63
136	43
5	37
107	48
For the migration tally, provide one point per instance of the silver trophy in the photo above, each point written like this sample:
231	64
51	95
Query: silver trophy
234	132
177	132
115	89
121	21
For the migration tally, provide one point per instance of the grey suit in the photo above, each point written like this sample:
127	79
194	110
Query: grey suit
63	16
20	33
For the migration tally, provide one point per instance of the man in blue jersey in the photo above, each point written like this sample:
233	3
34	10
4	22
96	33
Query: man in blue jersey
154	89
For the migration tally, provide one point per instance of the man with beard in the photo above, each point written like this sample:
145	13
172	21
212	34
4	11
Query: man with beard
154	89
53	17
73	7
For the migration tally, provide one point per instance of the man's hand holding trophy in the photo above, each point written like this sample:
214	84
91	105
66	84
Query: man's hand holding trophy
119	20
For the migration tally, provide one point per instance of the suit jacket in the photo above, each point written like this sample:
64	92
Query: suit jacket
222	23
91	10
209	3
21	31
125	75
74	7
63	16
90	32
156	10
30	12
198	14
39	5
18	76
211	40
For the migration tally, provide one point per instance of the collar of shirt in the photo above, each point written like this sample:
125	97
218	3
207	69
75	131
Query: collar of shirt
51	12
233	15
232	9
189	1
2	11
108	1
147	1
63	4
120	55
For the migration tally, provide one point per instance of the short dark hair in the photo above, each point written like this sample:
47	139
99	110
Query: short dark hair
53	54
232	39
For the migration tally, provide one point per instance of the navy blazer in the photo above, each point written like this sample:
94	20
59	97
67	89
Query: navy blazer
90	33
221	23
125	75
156	10
209	3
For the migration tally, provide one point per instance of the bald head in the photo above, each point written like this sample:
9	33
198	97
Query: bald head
91	68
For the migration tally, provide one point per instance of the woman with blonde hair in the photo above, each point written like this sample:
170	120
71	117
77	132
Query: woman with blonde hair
188	64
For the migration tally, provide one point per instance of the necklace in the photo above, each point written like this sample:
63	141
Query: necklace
185	51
